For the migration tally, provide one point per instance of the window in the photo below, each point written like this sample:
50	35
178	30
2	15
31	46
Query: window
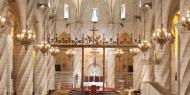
123	11
66	11
94	15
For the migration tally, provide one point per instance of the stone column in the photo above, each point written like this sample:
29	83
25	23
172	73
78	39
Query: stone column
184	58
23	66
77	66
51	74
3	64
163	66
185	63
110	68
41	73
137	66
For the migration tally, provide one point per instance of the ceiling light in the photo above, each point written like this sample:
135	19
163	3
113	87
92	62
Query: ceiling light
119	52
144	45
70	52
26	37
134	51
43	46
54	50
2	22
186	20
148	5
161	36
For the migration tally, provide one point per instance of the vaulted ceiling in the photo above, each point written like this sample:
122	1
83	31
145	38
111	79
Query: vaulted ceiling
109	16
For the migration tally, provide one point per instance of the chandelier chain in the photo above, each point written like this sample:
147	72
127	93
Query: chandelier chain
161	15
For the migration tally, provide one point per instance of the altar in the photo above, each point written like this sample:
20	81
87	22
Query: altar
89	84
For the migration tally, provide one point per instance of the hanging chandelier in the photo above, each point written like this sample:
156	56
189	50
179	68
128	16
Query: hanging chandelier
43	46
119	52
134	50
3	19
2	22
26	37
186	20
144	45
161	36
70	52
54	50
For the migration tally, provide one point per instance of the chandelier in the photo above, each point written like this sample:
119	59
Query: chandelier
43	46
70	52
54	50
161	36
26	37
134	50
119	52
2	22
186	20
144	45
3	19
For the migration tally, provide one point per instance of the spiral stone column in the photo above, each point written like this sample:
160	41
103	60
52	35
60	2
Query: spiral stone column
3	65
51	74
137	66
185	63
143	67
41	73
24	71
163	66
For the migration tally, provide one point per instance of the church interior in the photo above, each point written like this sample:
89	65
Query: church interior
94	47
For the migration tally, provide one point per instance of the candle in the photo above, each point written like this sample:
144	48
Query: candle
123	11
66	11
94	15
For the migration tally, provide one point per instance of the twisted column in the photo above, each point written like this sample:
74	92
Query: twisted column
163	66
41	74
3	66
185	63
137	65
143	67
24	72
51	74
